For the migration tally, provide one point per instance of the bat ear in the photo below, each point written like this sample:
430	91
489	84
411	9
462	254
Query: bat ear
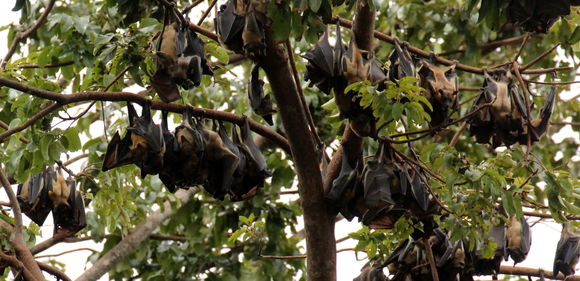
164	59
146	111
132	113
164	125
454	65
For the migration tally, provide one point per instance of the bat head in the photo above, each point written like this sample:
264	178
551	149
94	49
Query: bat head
440	83
355	67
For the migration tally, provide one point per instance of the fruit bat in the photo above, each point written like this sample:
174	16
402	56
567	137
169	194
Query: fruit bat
229	27
403	258
261	104
171	157
418	194
379	182
343	193
33	198
147	144
68	206
537	15
503	120
371	273
191	144
491	266
441	88
519	239
567	252
253	35
539	125
221	164
325	64
256	170
402	64
180	60
452	268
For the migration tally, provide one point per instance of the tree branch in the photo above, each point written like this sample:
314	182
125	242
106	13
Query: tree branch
29	121
22	36
15	263
536	272
62	99
53	271
132	241
66	252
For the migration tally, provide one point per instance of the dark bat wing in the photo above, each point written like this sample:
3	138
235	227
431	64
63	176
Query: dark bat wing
324	63
195	47
261	104
253	35
402	64
230	26
567	252
145	128
255	153
118	153
481	123
344	181
171	157
419	192
377	190
166	88
35	204
540	124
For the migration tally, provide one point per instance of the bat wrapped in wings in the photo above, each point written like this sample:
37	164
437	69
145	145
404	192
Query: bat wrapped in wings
33	197
519	239
371	273
346	190
402	64
567	252
143	144
483	266
505	120
180	59
441	89
537	15
240	29
261	104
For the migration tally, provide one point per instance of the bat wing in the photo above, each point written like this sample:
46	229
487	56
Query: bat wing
526	236
261	104
498	235
402	64
255	153
540	124
36	205
418	192
377	190
195	47
229	27
253	35
344	181
118	153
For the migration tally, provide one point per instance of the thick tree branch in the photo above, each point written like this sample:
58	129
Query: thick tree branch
536	272
318	221
17	239
22	36
63	99
15	263
54	271
132	241
29	121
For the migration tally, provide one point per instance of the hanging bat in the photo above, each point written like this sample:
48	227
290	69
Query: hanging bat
537	15
567	252
253	35
239	173
519	239
261	104
380	182
343	192
441	88
221	162
33	198
191	144
147	145
503	120
171	158
491	266
403	258
229	27
402	64
452	265
325	64
69	215
162	81
371	273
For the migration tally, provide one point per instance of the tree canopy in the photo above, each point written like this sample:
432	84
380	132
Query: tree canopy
72	67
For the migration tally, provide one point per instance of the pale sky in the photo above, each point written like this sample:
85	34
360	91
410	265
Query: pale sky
545	235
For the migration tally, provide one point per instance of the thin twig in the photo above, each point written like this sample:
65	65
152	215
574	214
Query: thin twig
541	56
22	36
204	15
431	259
526	36
552	83
21	138
191	6
50	65
282	257
67	252
457	134
564	123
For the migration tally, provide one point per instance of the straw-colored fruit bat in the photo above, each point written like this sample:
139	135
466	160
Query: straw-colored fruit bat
505	121
69	209
482	266
325	64
567	252
229	27
143	145
403	259
402	63
261	104
380	183
519	239
255	170
33	197
441	88
180	60
371	273
191	144
253	35
343	193
171	157
537	15
452	264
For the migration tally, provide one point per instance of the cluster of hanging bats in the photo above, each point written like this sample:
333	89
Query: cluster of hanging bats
50	191
378	190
